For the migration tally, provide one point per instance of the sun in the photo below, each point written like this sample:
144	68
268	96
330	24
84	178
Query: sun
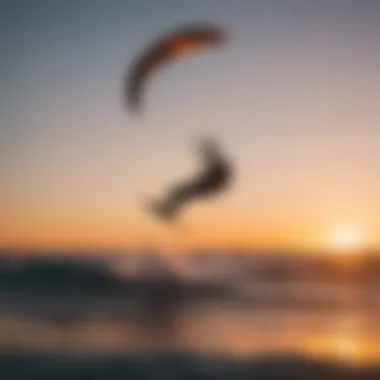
347	239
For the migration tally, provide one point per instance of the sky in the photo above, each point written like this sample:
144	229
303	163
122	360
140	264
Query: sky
292	98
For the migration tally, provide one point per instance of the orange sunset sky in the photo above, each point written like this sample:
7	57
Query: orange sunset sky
293	99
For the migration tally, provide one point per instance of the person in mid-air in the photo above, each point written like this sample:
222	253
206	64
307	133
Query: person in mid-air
215	178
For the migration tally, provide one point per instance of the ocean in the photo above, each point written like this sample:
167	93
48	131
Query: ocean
87	316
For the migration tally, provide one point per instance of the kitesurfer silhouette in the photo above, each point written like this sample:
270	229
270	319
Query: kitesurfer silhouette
215	178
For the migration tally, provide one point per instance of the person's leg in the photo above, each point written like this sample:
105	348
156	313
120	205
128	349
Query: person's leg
178	196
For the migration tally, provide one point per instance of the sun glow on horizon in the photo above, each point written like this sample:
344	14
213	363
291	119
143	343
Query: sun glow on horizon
347	239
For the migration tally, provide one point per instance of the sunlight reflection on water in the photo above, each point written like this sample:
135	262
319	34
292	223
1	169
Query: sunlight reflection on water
352	336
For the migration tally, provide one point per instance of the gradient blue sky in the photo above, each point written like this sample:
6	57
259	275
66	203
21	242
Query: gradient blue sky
294	99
